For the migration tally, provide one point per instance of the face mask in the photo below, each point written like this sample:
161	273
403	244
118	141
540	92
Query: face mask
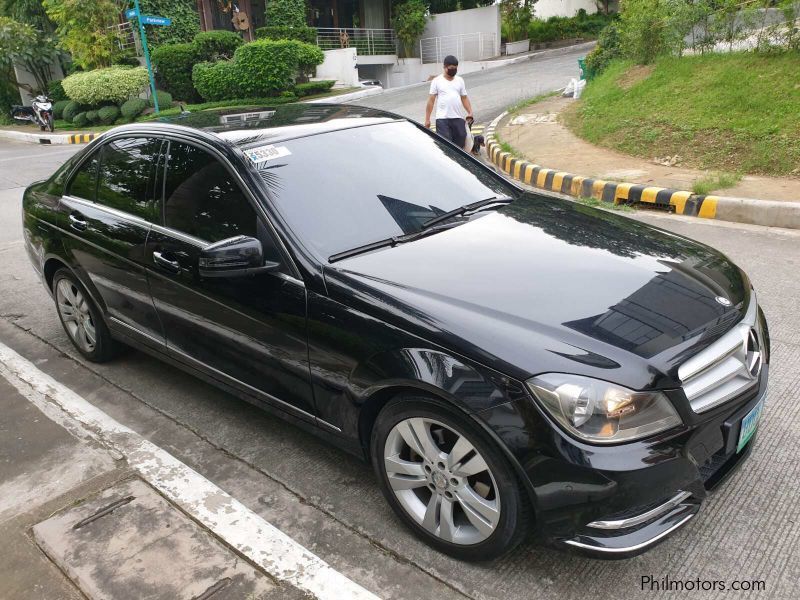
452	71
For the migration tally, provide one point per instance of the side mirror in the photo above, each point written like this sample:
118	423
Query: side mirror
235	257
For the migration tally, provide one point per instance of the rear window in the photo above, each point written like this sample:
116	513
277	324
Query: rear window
347	188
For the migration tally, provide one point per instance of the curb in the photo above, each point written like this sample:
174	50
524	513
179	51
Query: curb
49	138
349	97
770	213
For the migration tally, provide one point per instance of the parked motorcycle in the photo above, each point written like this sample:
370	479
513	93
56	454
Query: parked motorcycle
40	112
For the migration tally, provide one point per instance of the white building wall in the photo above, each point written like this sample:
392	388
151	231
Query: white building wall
340	65
544	9
475	20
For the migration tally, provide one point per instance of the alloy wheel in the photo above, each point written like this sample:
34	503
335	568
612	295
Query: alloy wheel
74	310
442	481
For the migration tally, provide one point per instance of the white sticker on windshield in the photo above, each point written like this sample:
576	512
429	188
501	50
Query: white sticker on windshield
263	153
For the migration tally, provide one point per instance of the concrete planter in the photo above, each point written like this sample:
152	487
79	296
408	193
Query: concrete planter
517	47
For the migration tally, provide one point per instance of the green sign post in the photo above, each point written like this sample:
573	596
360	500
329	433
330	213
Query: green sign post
143	20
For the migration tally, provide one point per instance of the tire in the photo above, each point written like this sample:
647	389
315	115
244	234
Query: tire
82	320
437	498
50	125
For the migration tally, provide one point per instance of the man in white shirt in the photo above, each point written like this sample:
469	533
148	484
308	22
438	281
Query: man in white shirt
449	94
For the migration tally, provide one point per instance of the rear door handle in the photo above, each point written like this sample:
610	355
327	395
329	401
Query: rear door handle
173	266
76	221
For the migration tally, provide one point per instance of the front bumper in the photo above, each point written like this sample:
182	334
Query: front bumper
619	501
701	467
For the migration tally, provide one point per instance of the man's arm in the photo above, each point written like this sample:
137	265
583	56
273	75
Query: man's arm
467	105
429	110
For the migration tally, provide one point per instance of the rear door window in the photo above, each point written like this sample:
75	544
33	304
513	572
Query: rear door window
84	182
202	199
126	176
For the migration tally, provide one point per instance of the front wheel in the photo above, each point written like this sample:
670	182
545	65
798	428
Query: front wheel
50	123
447	480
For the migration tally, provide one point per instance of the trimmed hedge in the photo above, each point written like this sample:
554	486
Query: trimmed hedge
114	84
133	108
277	32
308	57
92	116
313	87
108	114
174	64
216	81
58	108
80	120
70	110
214	45
164	99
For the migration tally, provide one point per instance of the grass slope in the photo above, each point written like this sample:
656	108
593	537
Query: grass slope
731	112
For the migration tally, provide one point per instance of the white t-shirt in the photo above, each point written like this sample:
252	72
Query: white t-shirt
448	101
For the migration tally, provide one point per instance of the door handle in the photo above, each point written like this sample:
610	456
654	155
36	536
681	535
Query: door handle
173	266
76	221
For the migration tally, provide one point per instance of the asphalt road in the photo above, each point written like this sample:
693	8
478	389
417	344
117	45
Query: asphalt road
330	502
493	90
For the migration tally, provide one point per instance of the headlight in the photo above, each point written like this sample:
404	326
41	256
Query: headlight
601	412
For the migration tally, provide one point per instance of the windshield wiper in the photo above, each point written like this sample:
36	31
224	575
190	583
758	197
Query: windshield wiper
389	242
466	209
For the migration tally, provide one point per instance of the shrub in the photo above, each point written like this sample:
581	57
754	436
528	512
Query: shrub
80	120
58	108
607	49
114	84
108	114
173	65
215	81
267	67
185	21
55	91
286	13
309	56
409	21
213	45
70	110
313	87
278	32
91	116
133	108
164	99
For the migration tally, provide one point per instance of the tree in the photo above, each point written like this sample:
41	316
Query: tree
84	29
516	16
285	13
21	44
28	12
409	23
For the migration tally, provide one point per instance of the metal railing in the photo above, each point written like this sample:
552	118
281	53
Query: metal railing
125	37
368	42
465	46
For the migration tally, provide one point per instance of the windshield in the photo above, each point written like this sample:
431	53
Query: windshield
347	188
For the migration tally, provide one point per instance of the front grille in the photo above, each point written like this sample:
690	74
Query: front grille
728	367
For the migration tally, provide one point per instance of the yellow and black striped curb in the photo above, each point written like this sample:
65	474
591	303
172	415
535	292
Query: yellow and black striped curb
675	201
82	138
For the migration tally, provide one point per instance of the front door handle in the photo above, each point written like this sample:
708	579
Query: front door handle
76	221
173	266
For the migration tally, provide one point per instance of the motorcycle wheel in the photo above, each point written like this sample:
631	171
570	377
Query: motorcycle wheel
50	124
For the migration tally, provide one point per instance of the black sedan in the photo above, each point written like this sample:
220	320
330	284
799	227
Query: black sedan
509	362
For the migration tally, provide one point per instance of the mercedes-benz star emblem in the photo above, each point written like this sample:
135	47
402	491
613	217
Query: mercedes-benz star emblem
723	301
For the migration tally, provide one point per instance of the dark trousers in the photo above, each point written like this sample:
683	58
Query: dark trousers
454	130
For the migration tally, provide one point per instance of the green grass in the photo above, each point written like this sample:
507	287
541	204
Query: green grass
595	203
718	181
735	112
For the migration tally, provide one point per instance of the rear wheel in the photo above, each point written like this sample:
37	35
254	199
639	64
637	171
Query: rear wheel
447	480
50	124
82	319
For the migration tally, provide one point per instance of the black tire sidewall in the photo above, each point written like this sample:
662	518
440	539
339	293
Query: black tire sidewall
104	347
511	529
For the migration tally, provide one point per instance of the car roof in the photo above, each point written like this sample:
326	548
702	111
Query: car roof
245	126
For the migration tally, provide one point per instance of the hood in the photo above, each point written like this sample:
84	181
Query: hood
546	285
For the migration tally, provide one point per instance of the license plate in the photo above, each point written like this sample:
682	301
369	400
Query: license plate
749	425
